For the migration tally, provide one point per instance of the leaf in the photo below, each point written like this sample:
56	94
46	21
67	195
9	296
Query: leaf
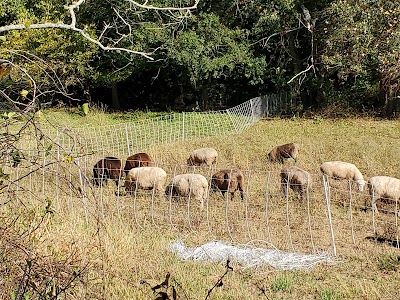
3	38
85	109
49	147
24	93
27	24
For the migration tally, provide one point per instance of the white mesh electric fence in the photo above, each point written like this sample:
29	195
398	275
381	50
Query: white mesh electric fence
331	216
130	137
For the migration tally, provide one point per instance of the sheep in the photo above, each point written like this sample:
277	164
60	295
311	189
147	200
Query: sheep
146	178
189	185
228	180
140	159
296	179
343	170
107	168
383	187
203	156
279	153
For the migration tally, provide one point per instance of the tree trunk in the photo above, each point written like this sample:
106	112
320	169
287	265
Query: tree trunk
390	101
115	104
204	94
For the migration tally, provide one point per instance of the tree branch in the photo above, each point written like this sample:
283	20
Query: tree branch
73	26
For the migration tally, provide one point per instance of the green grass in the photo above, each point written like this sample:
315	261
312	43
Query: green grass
120	255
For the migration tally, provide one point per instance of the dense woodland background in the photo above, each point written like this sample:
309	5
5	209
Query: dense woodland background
327	53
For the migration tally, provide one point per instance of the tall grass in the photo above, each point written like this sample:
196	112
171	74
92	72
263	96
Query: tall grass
118	256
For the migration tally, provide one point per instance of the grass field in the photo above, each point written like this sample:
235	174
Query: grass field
123	249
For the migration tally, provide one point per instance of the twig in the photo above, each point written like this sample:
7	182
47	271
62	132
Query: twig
219	282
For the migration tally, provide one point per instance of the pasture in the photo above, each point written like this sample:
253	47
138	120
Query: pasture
117	244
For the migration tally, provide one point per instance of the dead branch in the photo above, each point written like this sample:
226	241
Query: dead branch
72	26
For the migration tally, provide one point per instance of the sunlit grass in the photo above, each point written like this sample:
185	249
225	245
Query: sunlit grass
129	255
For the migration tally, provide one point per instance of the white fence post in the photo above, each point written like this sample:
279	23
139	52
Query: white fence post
183	126
252	111
127	139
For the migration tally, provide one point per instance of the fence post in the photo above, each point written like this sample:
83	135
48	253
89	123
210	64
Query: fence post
252	112
127	138
58	169
183	126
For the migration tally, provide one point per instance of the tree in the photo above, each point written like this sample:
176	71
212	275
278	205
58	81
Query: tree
359	56
208	51
69	38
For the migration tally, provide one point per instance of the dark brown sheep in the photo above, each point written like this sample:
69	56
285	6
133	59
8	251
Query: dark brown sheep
228	180
107	168
137	160
281	152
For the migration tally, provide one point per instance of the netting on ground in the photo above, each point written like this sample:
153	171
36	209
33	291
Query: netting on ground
248	256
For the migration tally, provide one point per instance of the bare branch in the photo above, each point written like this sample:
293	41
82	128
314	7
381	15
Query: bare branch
73	26
302	72
151	7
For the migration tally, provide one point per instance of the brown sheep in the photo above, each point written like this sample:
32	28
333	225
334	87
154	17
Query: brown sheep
140	159
296	179
228	180
281	152
107	168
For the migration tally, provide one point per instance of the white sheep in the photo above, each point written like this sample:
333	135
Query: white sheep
296	179
203	156
146	178
343	170
383	187
189	185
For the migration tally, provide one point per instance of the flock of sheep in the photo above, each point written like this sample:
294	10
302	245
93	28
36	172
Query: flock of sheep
141	174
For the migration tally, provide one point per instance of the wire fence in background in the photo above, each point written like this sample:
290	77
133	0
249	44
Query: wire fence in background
130	137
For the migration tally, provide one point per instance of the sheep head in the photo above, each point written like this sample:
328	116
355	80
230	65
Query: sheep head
361	183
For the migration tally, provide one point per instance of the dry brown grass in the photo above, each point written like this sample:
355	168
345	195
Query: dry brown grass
120	254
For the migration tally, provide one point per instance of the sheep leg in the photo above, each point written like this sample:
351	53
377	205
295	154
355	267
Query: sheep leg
241	193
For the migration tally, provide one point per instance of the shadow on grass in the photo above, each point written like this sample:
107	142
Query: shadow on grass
383	240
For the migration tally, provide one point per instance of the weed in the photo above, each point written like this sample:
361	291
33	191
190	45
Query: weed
282	283
389	263
330	295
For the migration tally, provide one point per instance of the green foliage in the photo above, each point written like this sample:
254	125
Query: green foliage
210	50
281	283
360	40
330	295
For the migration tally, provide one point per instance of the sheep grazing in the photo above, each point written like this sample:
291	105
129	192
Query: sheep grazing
146	178
296	179
137	160
203	156
189	185
228	180
281	152
107	168
383	187
343	170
